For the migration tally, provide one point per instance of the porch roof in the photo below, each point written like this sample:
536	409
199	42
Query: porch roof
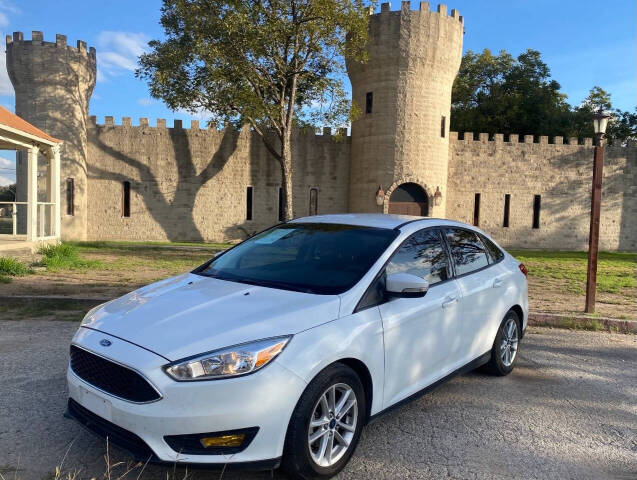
18	127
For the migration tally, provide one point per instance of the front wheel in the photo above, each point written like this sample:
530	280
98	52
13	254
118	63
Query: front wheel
326	424
504	352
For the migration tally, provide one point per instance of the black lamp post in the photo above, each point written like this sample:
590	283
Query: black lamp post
600	121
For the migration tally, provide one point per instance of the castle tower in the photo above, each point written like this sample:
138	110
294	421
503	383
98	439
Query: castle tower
53	83
404	95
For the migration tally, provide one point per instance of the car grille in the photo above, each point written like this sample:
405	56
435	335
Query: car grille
111	377
114	433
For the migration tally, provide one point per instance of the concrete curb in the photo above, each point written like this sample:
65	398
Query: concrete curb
558	320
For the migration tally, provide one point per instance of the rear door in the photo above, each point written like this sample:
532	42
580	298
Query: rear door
480	281
420	334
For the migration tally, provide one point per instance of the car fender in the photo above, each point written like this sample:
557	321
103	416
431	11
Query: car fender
515	297
358	336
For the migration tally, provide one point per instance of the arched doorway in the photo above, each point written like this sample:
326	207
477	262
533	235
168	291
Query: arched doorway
409	199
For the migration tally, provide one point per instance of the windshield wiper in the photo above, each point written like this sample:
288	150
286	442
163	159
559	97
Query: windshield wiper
276	284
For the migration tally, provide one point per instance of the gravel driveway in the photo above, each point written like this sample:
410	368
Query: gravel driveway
569	410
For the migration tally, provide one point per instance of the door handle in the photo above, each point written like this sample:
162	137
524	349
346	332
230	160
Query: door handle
497	283
449	301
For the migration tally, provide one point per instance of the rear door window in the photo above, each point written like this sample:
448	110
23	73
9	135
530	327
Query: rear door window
467	250
495	254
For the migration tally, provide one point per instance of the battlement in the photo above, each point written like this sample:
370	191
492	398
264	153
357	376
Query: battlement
405	7
197	126
514	139
37	39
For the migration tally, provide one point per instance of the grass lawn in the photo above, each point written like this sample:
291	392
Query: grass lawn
104	270
557	281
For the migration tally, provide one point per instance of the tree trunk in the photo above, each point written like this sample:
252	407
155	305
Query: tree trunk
286	176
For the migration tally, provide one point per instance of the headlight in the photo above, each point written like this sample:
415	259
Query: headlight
228	362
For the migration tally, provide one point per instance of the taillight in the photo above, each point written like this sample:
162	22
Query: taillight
523	269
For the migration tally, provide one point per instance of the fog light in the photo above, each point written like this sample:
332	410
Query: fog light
223	441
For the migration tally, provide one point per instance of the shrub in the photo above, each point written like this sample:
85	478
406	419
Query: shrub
12	267
64	256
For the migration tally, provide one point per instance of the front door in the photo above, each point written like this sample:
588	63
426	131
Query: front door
420	334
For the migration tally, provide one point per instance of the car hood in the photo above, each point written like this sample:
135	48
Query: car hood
192	314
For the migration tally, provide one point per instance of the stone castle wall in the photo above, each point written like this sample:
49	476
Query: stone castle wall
190	184
561	173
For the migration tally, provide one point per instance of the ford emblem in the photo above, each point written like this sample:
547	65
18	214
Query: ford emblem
105	343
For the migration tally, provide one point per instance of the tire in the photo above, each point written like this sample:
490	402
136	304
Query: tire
502	362
299	458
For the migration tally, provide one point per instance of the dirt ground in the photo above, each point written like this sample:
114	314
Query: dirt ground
122	270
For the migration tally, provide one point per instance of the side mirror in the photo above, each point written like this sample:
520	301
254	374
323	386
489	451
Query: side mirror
406	285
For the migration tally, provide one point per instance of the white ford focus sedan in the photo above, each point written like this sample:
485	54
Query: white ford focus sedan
279	350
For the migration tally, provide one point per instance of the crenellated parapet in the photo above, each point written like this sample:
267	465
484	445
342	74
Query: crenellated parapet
37	39
58	56
143	123
515	139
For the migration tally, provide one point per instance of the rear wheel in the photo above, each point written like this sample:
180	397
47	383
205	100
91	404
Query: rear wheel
326	424
504	352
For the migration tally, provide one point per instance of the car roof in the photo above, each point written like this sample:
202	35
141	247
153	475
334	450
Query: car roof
378	220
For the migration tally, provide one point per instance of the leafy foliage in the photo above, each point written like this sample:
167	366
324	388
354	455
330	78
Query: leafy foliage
65	256
7	193
502	94
12	267
258	63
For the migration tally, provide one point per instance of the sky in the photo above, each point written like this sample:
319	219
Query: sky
584	42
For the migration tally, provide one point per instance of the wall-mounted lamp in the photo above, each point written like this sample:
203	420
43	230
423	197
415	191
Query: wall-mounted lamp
380	196
437	197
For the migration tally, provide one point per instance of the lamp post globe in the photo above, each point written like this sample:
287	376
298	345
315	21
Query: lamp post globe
600	122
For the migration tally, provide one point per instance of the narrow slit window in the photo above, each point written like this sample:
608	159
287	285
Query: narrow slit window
313	201
249	203
369	102
125	199
443	127
281	216
476	210
537	203
70	196
507	210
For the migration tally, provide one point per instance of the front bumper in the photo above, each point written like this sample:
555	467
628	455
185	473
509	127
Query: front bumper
265	400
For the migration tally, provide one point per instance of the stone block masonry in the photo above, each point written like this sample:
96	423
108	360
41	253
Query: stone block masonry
191	184
53	83
561	173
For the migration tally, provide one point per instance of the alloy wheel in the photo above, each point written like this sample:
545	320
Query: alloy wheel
509	344
333	423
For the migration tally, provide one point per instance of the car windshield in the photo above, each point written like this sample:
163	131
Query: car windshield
319	258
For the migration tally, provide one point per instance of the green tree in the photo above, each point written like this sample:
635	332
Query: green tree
503	94
621	127
7	193
270	64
